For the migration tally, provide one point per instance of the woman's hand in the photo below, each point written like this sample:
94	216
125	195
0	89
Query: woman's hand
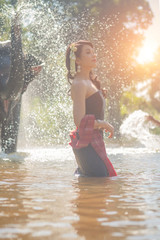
109	128
99	124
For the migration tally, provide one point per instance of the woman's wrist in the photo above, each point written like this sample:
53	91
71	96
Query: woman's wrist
98	124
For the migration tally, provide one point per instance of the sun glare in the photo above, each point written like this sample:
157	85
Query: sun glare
146	53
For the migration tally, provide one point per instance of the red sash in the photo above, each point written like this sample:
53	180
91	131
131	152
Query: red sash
87	134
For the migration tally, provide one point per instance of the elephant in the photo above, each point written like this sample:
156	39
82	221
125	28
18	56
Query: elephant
17	70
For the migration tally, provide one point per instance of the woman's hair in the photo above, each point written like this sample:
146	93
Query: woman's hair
79	46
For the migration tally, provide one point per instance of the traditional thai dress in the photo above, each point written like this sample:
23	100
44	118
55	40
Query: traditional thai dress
87	142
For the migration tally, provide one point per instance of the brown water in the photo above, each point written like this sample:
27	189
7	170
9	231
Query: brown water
40	198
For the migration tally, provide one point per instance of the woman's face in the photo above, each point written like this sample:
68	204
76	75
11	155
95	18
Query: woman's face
87	59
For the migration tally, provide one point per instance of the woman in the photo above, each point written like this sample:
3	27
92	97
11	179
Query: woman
88	112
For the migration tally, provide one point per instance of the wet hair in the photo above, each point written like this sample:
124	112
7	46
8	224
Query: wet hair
79	45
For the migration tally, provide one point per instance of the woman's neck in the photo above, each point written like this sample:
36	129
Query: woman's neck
84	75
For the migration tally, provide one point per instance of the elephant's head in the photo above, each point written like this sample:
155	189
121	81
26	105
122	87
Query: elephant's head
32	67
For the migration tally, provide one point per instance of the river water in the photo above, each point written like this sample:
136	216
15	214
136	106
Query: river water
40	198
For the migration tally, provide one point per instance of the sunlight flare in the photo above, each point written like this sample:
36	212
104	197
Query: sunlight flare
146	53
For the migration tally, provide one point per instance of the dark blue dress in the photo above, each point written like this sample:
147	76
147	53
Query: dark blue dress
89	162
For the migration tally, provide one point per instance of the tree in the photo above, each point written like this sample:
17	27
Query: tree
4	20
154	75
128	21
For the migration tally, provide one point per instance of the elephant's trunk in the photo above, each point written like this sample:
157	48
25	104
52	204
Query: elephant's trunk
13	87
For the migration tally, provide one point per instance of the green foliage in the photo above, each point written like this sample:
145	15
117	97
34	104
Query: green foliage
8	3
155	131
49	121
130	103
5	19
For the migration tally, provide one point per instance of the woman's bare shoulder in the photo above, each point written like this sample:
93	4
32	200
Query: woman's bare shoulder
79	83
78	87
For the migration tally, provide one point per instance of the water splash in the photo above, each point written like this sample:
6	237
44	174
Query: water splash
47	106
136	128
